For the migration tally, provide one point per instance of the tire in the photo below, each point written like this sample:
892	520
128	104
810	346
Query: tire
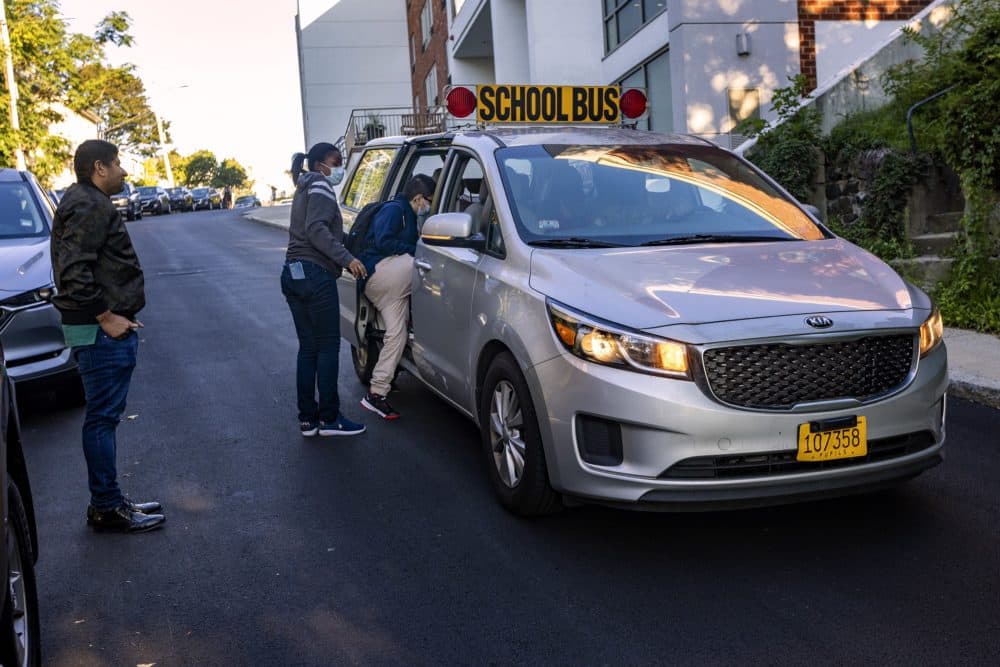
364	361
138	215
20	644
129	216
505	397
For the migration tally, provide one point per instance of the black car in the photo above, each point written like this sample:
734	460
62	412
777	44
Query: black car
127	202
19	628
206	198
181	199
154	199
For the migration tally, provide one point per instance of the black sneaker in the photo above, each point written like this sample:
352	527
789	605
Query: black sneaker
379	405
123	520
309	429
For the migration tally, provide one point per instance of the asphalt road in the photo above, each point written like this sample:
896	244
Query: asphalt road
388	548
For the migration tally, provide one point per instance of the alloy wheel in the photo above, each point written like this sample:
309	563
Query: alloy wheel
506	426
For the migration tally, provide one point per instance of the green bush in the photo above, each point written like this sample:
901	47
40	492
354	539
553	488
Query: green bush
788	151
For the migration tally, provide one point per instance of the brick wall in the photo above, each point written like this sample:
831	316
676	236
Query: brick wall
811	11
433	55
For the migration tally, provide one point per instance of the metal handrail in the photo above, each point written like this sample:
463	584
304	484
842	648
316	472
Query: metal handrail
909	114
371	123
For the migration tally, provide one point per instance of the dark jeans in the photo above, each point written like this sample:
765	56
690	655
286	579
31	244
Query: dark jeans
316	311
106	368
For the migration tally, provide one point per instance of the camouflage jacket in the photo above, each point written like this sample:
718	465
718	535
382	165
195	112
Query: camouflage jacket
93	261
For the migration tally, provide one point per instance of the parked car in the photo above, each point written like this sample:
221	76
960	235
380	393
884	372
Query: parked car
30	326
181	199
154	199
206	198
647	320
128	203
247	201
20	643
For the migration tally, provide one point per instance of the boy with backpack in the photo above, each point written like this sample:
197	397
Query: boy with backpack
388	250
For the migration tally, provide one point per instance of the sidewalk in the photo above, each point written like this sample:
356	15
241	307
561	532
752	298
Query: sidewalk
973	358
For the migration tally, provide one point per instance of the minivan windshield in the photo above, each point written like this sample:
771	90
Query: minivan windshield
604	196
147	190
20	216
199	192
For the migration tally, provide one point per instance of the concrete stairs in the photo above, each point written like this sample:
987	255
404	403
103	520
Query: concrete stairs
934	220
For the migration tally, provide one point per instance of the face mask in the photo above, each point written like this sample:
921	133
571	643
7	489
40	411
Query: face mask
424	210
335	176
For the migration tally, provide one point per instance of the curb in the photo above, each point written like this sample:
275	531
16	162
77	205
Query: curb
975	392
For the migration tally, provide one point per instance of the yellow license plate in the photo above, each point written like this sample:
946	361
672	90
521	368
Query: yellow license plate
823	444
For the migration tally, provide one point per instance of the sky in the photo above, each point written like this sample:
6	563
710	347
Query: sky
225	74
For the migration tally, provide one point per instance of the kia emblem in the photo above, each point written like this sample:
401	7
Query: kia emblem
819	322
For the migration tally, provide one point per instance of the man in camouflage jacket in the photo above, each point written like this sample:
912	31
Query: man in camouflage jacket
100	290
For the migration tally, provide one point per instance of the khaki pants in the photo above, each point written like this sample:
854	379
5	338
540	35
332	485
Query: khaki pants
389	290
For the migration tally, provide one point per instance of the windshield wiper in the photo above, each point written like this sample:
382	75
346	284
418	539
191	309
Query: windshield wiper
572	242
715	238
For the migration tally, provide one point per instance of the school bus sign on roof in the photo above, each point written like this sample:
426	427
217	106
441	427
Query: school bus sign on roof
497	103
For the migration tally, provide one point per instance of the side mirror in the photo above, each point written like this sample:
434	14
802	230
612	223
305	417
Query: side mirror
451	230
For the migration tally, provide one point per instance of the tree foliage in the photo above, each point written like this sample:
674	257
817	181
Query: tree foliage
230	173
200	168
55	68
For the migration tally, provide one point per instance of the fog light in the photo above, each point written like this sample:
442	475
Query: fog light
599	441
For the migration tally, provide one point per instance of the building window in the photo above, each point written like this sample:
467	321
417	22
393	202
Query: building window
426	23
623	18
431	86
413	52
654	76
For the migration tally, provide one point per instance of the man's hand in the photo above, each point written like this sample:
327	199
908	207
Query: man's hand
357	269
116	326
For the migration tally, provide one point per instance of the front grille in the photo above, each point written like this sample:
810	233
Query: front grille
778	376
783	463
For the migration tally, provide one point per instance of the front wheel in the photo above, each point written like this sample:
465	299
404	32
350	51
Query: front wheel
20	644
512	443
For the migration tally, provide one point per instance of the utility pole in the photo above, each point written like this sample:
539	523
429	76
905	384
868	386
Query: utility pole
15	122
163	149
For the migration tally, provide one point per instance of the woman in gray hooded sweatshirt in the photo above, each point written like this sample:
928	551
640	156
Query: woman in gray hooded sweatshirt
313	262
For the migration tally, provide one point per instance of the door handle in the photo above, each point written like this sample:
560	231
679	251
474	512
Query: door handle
423	266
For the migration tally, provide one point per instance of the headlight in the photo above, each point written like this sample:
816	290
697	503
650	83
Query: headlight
604	344
931	331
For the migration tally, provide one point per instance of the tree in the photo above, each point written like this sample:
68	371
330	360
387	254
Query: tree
229	173
200	168
41	68
54	67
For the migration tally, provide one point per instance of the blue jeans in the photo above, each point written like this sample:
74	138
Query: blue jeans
315	309
106	368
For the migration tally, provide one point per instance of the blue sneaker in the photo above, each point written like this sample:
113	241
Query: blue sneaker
309	429
343	426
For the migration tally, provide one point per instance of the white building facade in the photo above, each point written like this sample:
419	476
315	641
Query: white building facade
706	65
352	54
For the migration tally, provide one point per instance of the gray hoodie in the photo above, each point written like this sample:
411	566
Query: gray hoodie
316	230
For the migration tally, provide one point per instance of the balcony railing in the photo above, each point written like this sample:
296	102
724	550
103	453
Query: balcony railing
367	124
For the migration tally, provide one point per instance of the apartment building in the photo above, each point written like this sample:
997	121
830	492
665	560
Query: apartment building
706	65
352	54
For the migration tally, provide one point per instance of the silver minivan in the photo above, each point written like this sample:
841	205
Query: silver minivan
647	320
30	326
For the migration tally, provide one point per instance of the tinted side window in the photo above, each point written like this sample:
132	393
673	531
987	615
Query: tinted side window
366	184
427	163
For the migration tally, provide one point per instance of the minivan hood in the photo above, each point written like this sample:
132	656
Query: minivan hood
25	265
645	288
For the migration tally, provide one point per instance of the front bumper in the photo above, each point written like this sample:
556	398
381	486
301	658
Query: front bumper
33	343
665	421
